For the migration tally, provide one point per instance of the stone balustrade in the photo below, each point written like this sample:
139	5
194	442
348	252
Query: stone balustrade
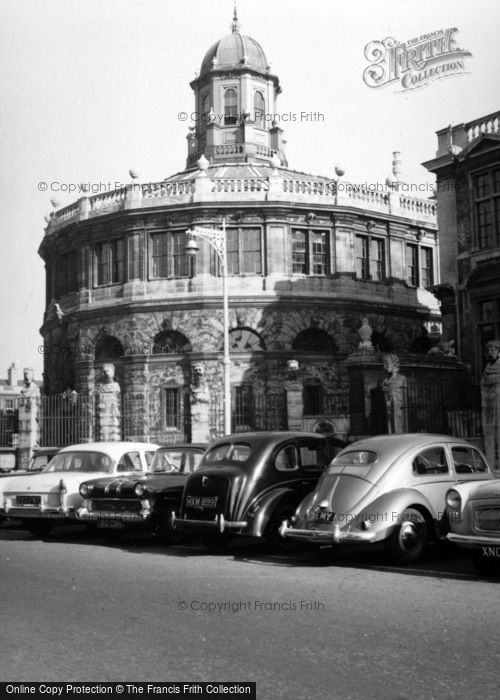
278	186
484	125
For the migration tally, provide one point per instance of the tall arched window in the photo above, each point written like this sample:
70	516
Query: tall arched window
205	107
230	106
259	108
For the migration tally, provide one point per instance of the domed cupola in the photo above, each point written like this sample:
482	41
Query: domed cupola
235	92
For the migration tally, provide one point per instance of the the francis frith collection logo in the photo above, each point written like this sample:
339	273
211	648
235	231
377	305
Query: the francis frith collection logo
416	62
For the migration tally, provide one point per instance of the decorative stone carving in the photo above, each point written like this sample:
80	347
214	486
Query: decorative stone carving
30	388
200	399
365	333
395	388
490	403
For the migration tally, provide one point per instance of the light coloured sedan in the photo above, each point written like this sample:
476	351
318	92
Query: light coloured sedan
52	497
389	488
474	515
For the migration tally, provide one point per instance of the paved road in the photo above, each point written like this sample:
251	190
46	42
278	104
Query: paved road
77	609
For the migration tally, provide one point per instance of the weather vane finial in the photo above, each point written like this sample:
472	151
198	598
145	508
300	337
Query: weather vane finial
235	25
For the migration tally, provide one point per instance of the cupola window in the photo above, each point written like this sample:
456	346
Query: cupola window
259	108
230	106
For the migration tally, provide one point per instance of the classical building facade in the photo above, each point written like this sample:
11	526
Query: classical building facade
307	261
467	167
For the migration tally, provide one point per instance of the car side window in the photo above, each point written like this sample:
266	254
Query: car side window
431	461
312	456
467	460
129	462
148	456
287	459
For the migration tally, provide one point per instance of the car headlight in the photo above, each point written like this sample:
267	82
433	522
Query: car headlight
139	489
453	499
85	490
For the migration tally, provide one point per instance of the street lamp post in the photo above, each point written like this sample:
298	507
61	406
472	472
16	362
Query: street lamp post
216	238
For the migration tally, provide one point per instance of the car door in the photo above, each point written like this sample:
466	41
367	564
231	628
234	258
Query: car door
433	476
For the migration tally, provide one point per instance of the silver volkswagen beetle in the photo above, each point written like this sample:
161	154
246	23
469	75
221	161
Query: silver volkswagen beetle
388	488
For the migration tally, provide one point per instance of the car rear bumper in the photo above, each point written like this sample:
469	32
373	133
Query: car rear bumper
37	513
473	541
218	524
333	536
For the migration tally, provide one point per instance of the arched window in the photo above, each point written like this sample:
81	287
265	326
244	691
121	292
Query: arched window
259	108
230	106
205	107
108	348
171	343
314	340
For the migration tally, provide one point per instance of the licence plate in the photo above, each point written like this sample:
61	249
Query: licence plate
110	524
201	501
324	516
490	552
27	500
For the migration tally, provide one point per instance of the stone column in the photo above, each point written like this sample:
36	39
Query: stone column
29	428
108	407
200	400
135	401
294	398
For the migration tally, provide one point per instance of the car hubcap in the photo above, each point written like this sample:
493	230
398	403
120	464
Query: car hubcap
409	536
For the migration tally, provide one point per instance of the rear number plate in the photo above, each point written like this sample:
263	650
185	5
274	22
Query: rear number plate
201	501
110	524
324	516
488	551
28	500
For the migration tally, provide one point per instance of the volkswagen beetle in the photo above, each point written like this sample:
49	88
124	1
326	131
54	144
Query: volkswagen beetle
388	488
248	482
474	515
141	502
52	497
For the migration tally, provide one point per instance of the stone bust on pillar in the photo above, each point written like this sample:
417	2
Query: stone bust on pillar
108	405
490	403
108	385
200	399
199	389
394	387
30	387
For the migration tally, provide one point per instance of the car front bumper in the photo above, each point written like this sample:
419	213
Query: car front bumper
84	515
473	541
219	524
333	536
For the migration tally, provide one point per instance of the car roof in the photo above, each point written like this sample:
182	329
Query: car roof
185	446
45	450
266	437
112	448
404	441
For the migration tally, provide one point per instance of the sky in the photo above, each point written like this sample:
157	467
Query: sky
92	88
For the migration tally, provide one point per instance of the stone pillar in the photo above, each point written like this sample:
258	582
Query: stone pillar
135	406
294	398
200	400
490	404
29	428
108	407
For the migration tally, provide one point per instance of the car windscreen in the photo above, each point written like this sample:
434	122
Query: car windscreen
220	455
353	462
80	462
175	460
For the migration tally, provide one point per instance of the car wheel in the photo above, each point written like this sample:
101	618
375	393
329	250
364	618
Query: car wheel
408	540
485	566
38	528
275	542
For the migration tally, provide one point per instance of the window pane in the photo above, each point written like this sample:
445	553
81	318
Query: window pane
427	267
412	265
171	408
102	253
250	251
259	108
376	259
313	400
299	250
484	224
159	257
117	261
319	253
181	260
242	407
362	257
482	186
230	106
233	265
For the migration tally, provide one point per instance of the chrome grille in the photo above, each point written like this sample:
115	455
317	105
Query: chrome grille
488	519
116	506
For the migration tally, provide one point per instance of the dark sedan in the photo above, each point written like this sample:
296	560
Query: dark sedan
249	482
142	502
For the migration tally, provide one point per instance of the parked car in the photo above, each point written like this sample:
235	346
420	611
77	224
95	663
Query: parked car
52	497
135	502
39	459
389	488
474	515
248	482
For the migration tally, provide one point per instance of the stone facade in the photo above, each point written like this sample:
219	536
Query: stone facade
307	261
